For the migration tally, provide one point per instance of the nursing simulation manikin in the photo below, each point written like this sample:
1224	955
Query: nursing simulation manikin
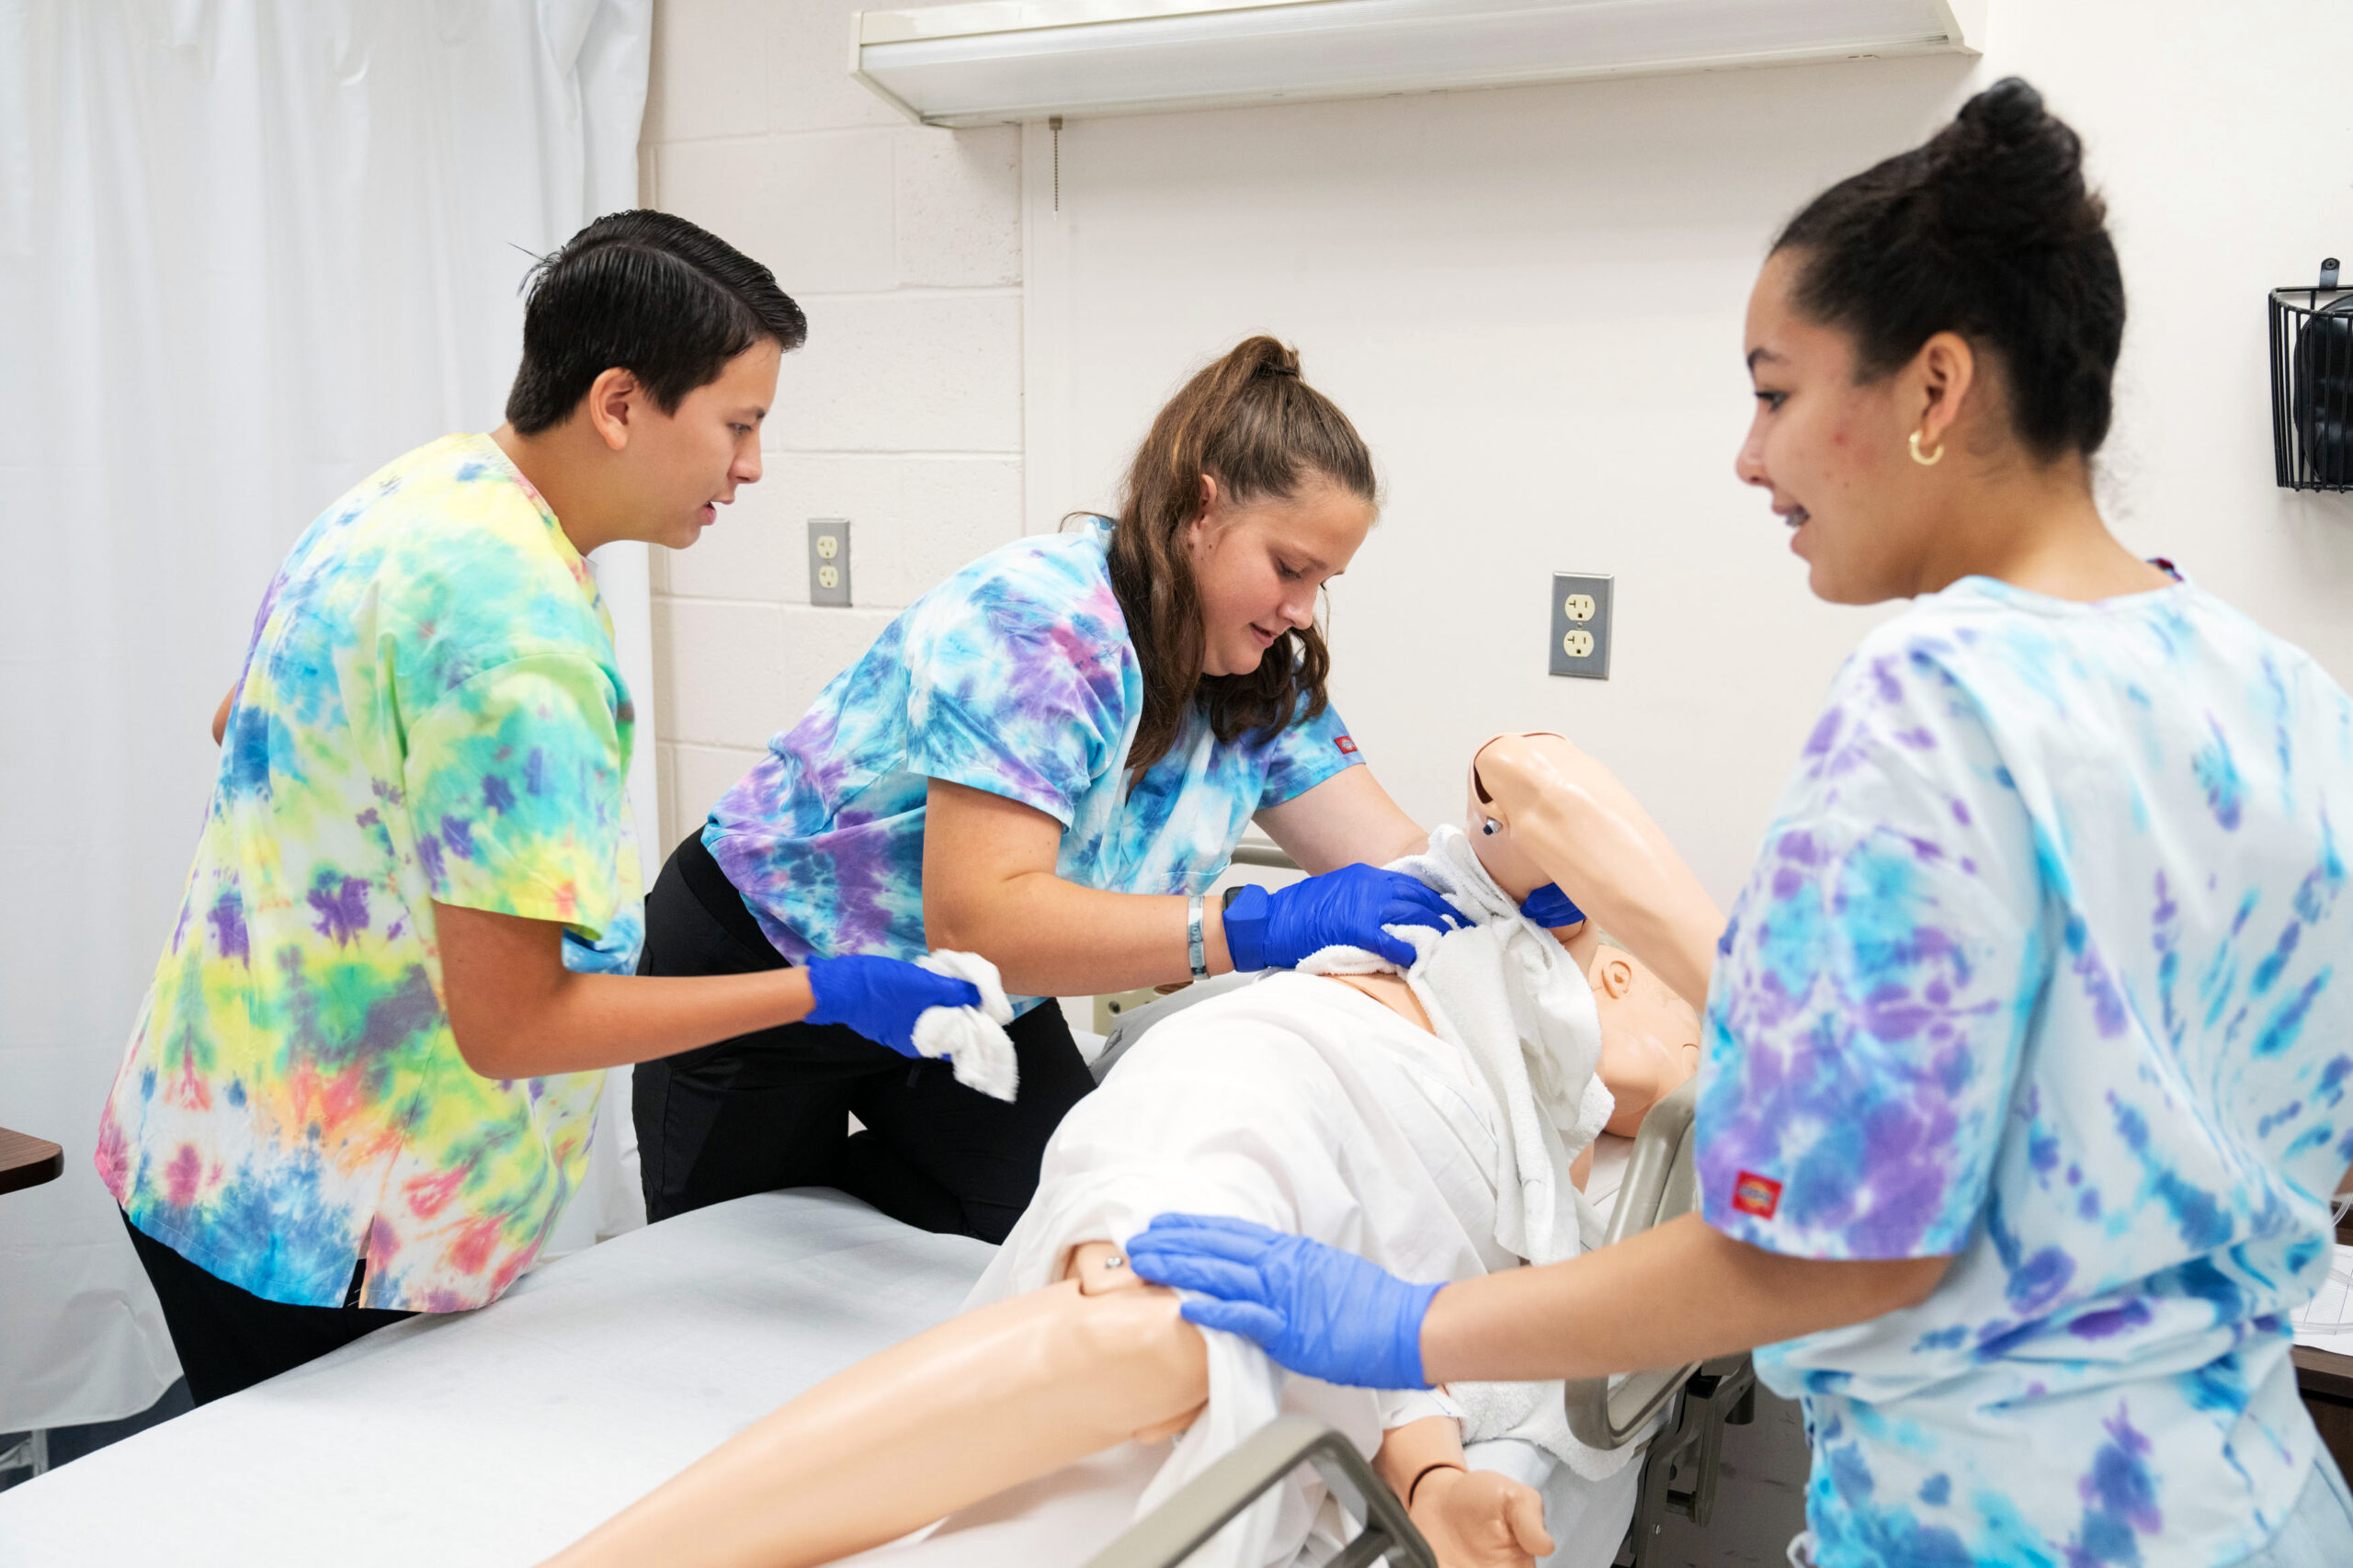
2025	1077
1358	1104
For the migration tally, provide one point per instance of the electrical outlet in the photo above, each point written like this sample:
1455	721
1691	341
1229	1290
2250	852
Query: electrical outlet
1581	625
829	560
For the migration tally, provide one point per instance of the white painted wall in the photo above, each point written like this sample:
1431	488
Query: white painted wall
903	412
1530	302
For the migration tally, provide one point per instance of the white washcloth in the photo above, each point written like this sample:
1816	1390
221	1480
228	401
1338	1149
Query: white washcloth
1516	1003
972	1038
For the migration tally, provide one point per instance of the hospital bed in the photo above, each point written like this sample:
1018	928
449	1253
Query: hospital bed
490	1439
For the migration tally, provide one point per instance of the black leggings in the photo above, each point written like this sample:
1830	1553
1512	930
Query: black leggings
229	1338
772	1110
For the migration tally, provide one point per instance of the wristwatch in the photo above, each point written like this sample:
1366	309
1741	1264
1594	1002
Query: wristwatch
1196	950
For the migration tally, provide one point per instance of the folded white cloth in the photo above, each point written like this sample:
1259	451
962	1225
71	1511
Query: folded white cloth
972	1038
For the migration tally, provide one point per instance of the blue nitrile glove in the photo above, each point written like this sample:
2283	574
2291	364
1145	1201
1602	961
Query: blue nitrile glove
1275	930
882	998
1551	908
1313	1307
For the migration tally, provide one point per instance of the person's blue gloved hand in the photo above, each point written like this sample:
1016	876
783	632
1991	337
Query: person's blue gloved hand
882	998
1313	1307
1552	908
1275	930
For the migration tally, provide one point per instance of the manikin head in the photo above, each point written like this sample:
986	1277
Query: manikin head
1650	1036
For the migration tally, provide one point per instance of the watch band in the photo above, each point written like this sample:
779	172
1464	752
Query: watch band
1195	949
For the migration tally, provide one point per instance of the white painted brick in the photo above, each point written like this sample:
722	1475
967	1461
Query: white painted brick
754	552
907	372
815	209
863	489
666	789
726	672
704	773
739	67
953	509
657	567
959	195
820	644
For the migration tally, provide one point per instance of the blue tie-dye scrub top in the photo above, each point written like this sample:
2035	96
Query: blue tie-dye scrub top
2041	969
430	711
1017	676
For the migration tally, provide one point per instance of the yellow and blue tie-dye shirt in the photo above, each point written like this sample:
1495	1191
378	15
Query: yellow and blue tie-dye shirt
431	710
2048	966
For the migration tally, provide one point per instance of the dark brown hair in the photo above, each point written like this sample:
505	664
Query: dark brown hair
1988	231
1249	422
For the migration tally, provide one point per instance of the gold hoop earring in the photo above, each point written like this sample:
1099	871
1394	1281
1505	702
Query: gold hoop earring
1933	458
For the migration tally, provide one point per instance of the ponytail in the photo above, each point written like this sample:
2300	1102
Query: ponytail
1249	422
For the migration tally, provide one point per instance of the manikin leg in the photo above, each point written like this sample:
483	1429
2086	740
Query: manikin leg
987	1400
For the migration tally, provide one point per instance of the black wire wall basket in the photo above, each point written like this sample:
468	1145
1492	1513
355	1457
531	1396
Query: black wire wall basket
2312	383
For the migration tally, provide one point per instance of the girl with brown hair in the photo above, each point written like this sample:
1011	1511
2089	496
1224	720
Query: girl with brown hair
1047	760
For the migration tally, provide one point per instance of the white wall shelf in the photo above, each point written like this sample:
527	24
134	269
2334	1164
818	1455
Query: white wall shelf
988	61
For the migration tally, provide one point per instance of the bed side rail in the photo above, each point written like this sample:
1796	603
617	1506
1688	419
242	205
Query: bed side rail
1212	1500
1661	1183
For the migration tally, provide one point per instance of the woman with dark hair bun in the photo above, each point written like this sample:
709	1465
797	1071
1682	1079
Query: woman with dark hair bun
1046	759
2026	1079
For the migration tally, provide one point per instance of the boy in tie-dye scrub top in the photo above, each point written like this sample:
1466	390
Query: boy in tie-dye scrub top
363	1081
2049	965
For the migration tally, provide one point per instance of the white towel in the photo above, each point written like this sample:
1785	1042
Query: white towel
972	1038
1520	1008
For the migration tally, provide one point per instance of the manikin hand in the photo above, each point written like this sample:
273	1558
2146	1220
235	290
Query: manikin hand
1542	811
1479	1519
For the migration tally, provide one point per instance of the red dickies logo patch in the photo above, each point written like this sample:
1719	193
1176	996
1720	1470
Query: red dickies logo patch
1346	746
1754	1194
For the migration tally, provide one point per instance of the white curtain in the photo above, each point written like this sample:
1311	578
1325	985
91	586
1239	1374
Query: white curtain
250	250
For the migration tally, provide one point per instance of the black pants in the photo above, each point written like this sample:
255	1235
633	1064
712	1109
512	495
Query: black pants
772	1110
229	1338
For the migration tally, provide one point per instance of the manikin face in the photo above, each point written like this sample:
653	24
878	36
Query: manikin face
1833	456
1650	1036
681	467
1259	563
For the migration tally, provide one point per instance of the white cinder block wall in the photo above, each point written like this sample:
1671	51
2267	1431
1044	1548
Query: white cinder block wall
903	412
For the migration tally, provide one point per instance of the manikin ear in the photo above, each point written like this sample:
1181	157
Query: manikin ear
613	401
1942	374
1612	976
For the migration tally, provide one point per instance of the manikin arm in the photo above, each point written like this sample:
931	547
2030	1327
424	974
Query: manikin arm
1575	820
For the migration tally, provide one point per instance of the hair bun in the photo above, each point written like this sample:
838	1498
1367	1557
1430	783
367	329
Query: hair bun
2007	173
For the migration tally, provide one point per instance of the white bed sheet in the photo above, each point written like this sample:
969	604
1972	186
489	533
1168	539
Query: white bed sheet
490	1439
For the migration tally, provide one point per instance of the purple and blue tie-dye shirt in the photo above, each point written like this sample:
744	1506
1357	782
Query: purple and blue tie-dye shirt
1017	676
2048	965
430	711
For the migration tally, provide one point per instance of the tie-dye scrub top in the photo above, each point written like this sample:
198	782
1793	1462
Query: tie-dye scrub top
1017	676
2048	965
429	709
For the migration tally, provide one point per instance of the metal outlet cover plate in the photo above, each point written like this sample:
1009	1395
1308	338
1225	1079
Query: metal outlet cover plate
829	560
1583	620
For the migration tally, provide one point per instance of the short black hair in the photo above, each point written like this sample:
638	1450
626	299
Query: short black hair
1987	231
665	300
